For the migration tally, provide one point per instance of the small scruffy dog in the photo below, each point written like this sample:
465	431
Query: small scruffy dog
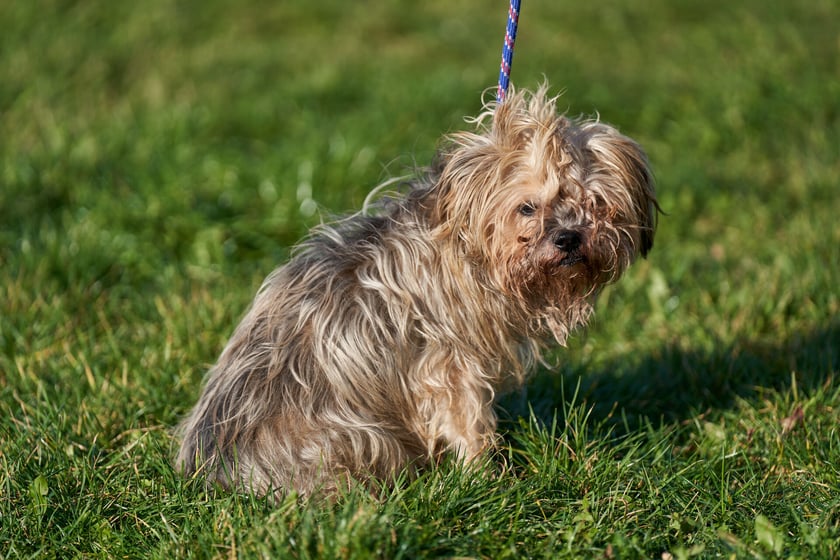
384	341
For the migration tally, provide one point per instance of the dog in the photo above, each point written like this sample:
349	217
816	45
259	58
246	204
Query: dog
383	342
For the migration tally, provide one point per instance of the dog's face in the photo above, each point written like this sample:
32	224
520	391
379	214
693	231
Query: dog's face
554	208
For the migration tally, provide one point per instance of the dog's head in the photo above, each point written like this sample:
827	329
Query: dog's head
553	207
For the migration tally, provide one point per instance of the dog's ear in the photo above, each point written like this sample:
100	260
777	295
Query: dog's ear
466	176
619	171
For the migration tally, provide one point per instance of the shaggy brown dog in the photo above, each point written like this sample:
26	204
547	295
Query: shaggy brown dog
384	341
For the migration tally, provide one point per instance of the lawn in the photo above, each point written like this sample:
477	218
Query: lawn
159	158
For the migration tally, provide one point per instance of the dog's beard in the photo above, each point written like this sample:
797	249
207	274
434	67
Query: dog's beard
557	286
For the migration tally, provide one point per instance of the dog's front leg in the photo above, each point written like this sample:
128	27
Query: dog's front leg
456	409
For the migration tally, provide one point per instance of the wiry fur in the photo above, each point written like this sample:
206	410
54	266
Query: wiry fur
383	342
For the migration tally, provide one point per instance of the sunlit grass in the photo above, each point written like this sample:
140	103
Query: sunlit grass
158	160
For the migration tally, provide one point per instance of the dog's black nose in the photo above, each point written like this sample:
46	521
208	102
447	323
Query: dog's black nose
567	240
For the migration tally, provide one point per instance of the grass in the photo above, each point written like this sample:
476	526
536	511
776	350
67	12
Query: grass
158	160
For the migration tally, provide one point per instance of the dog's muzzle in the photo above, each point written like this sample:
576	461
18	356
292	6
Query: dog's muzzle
569	242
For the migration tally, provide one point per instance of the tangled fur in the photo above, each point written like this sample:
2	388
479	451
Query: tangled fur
384	341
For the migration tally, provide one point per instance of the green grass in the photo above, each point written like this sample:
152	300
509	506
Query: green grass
158	159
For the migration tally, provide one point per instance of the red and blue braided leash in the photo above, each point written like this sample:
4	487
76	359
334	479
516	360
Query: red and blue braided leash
507	50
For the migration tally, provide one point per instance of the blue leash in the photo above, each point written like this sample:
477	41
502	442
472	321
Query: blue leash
507	50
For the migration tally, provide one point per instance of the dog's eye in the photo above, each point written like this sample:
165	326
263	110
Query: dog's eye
528	209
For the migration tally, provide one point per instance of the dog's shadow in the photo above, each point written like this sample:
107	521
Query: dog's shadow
675	383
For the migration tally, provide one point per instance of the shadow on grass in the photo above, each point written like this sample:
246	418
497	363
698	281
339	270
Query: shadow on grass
674	383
